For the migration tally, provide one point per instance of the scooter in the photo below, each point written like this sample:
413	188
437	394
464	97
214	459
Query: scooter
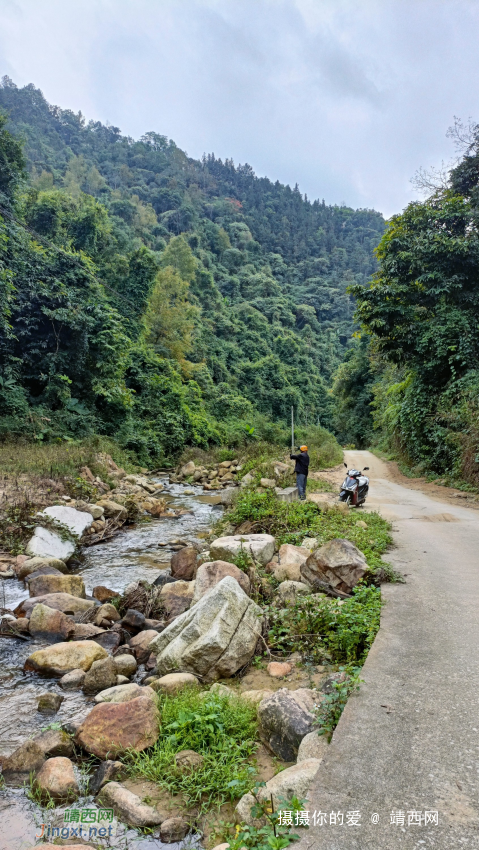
355	487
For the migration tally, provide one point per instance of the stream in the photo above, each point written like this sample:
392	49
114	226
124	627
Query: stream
134	554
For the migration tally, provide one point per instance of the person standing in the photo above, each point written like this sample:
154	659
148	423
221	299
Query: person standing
301	470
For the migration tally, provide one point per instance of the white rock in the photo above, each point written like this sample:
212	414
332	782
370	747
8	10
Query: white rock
214	638
258	546
75	521
48	544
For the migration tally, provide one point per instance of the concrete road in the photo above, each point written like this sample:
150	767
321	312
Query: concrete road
408	741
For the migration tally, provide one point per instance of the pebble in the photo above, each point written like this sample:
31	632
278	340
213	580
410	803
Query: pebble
277	669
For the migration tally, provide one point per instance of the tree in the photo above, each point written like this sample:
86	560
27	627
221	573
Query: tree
169	319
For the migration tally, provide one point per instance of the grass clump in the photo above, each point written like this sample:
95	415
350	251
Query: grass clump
291	522
221	729
56	460
332	705
328	629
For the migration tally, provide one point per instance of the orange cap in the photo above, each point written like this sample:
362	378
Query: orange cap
304	448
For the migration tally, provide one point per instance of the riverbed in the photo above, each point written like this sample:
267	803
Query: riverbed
134	554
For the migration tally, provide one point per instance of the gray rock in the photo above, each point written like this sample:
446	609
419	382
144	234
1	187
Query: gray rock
313	746
30	756
34	564
125	665
59	601
339	563
283	723
288	592
174	829
214	638
73	680
49	703
101	675
107	772
133	620
127	806
259	546
174	682
47	623
287	494
295	781
122	693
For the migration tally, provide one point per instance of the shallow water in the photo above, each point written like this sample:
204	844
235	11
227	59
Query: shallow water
132	555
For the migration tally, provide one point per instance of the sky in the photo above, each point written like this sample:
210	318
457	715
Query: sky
347	98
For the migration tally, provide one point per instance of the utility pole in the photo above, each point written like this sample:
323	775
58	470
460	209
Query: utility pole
292	429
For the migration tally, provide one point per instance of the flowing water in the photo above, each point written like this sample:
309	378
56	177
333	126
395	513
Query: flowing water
134	554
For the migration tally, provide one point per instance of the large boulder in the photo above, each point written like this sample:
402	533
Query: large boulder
295	781
284	720
57	779
46	623
76	521
31	565
212	572
123	693
59	601
62	657
127	806
338	563
101	675
140	644
259	546
214	638
176	597
41	585
111	729
183	563
290	560
49	544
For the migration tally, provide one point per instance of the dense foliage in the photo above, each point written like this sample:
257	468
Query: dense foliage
159	299
421	316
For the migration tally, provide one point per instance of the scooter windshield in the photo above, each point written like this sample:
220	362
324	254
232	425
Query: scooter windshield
350	483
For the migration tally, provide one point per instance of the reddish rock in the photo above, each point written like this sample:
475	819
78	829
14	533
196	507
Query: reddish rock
211	573
277	669
103	594
56	778
140	645
113	728
183	563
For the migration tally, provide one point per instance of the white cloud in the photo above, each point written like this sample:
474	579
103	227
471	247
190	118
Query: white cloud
348	99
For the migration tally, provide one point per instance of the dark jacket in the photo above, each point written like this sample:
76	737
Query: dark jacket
302	463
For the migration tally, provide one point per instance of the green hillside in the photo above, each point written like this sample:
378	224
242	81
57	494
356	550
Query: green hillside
159	299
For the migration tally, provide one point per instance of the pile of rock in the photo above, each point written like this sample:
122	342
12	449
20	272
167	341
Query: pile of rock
216	477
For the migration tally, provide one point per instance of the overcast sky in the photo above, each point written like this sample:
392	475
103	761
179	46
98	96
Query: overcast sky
348	98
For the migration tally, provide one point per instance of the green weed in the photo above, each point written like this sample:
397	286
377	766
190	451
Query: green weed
322	628
333	704
223	730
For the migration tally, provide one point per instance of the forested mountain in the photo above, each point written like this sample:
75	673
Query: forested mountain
417	364
159	298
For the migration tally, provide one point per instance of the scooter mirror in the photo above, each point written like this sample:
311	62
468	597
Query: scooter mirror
366	468
345	465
